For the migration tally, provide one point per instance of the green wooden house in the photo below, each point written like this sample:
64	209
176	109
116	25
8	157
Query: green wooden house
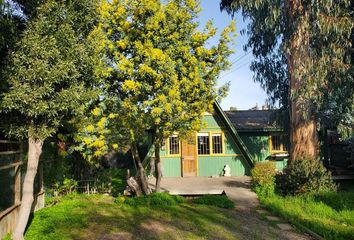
234	138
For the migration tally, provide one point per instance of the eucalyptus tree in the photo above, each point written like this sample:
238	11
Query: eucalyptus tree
304	57
50	76
162	74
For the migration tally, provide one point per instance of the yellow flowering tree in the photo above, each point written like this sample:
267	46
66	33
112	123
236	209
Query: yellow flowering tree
160	74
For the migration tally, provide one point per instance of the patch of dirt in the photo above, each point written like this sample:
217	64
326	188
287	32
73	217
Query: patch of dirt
117	236
155	227
252	224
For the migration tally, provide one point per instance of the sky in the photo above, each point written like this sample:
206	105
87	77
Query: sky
244	93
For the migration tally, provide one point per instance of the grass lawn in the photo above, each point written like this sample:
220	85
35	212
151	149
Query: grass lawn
330	215
98	217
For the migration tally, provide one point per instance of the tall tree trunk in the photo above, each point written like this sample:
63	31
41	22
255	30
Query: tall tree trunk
34	152
141	170
303	124
158	166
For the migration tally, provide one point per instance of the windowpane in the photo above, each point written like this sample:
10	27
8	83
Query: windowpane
203	144
174	144
217	143
276	143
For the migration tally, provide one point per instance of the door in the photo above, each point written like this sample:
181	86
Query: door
189	157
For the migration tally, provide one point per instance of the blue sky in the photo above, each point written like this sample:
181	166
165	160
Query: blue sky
244	92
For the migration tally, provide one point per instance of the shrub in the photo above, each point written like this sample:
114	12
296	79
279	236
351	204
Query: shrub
304	177
118	181
215	200
51	200
263	178
63	188
154	199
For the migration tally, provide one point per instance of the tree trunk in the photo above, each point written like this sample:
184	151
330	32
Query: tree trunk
135	187
303	124
158	167
34	152
141	170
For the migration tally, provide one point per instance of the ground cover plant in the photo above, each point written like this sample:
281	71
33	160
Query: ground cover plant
215	200
104	217
329	214
155	199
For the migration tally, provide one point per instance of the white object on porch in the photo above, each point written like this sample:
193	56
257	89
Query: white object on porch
227	171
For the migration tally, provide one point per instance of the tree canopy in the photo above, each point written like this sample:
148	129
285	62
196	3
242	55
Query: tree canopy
327	68
160	75
50	71
303	52
50	76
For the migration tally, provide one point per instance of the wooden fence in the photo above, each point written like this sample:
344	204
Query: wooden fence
12	170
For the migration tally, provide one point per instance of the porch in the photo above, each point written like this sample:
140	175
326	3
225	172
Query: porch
236	188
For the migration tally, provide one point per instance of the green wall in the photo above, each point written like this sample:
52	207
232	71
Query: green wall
213	165
257	144
280	165
171	167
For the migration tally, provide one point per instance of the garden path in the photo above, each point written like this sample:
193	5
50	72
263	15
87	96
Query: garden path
254	222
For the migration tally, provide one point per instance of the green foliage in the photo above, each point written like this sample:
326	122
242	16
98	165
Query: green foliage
10	26
51	73
49	219
159	72
339	201
118	181
329	214
303	177
51	200
263	178
214	200
65	187
154	199
7	237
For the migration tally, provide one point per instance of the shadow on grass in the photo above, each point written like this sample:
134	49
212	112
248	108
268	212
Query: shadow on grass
172	222
98	217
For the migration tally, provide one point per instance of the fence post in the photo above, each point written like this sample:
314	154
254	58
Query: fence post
18	187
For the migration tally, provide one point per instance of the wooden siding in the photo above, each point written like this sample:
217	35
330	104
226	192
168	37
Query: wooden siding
255	142
213	166
230	145
171	167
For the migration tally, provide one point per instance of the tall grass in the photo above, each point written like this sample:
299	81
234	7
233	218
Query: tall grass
330	214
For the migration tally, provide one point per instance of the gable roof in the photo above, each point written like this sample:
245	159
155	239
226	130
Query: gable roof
253	120
233	132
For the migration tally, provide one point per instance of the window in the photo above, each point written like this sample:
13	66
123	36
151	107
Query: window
278	143
174	145
217	143
203	144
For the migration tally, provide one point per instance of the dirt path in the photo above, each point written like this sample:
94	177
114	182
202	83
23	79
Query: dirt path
254	223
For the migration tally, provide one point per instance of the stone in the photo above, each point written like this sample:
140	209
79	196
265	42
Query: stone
261	211
284	226
272	218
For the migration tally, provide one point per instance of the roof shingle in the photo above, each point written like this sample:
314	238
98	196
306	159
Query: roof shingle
253	120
